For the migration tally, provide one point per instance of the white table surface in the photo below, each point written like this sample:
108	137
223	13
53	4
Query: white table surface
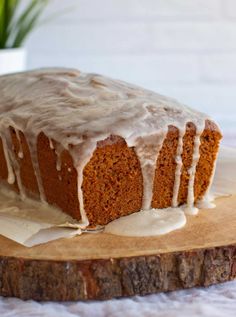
215	301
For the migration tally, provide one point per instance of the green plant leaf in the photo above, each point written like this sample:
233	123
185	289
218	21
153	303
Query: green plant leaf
7	10
16	26
27	21
14	29
1	22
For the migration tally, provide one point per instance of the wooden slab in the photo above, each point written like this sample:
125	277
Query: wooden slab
102	266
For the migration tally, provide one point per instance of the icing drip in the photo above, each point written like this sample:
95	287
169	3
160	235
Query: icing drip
20	152
84	218
14	163
16	169
77	110
189	208
51	144
11	175
82	158
34	157
179	163
147	150
58	150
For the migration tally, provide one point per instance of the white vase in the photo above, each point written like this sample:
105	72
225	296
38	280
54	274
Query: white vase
12	60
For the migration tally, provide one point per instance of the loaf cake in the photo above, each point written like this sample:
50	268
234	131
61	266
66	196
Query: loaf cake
99	148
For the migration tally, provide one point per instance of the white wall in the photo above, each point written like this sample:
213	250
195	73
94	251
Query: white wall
182	48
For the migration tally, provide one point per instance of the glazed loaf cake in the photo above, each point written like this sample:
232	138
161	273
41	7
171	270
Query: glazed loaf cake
99	148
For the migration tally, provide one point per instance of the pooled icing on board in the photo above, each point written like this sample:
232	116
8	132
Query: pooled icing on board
96	107
148	223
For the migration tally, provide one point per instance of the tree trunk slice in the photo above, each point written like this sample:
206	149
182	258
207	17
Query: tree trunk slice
103	266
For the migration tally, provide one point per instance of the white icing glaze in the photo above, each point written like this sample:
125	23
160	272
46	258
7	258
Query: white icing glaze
77	110
178	160
58	150
32	142
20	152
189	207
147	149
11	175
12	162
148	223
51	144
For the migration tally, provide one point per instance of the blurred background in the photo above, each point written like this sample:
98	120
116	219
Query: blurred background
182	48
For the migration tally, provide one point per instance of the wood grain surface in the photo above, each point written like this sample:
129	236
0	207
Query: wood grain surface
103	266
